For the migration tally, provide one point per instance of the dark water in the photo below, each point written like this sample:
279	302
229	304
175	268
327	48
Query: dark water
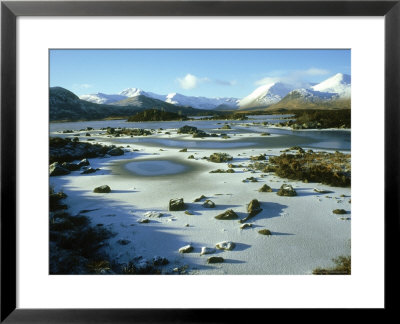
324	139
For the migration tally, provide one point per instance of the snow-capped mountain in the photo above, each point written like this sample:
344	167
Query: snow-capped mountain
201	102
334	88
102	98
339	83
134	92
172	98
266	95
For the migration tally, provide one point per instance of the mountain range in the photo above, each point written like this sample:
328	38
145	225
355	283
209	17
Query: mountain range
275	95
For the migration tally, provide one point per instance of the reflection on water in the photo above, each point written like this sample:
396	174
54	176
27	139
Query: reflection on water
155	167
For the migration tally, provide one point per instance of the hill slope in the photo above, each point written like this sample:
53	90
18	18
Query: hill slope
66	106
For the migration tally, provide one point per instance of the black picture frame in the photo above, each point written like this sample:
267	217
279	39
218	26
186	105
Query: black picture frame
10	10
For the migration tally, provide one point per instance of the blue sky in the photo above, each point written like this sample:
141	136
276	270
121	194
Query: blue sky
210	73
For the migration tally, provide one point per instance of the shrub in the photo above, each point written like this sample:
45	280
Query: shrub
342	267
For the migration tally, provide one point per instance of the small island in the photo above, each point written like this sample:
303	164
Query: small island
156	115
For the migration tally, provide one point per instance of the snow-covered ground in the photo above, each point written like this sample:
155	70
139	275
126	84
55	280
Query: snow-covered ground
305	232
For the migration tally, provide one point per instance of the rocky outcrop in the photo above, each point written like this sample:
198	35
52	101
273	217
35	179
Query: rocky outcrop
287	190
227	215
176	204
253	208
225	245
56	169
265	188
102	189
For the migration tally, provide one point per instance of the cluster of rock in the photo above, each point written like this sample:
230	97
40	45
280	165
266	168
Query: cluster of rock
117	132
193	131
66	150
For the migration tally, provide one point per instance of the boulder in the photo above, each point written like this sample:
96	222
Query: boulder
215	259
116	151
153	214
206	250
287	190
71	166
339	211
253	208
265	231
89	170
186	249
208	204
200	198
225	245
102	189
56	169
183	150
246	225
143	221
84	162
176	204
227	215
265	188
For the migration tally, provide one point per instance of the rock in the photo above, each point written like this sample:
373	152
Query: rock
71	166
160	261
84	162
251	179
339	211
286	190
123	242
191	156
260	157
215	259
265	134
153	214
246	225
188	212
220	157
176	204
186	249
227	215
116	151
322	191
226	127
183	150
265	188
225	245
265	231
206	250
143	221
253	208
200	198
56	169
187	130
208	204
89	170
102	189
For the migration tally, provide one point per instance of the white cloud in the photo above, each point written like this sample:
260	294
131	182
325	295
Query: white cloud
297	78
190	81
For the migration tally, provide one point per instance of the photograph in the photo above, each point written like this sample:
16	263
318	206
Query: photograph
199	161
